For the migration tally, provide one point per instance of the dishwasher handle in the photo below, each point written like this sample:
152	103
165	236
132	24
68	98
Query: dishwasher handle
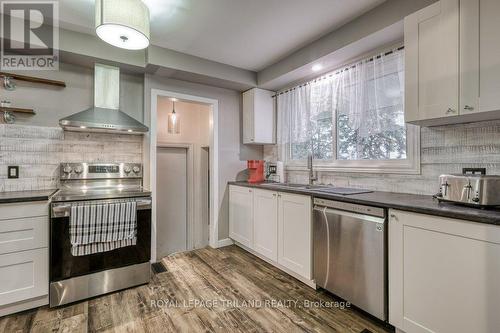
364	217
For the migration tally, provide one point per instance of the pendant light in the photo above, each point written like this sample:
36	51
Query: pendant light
123	23
174	122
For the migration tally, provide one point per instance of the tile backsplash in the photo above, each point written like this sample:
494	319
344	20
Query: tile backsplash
39	150
444	149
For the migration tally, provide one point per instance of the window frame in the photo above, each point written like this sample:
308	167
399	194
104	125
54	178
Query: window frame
410	165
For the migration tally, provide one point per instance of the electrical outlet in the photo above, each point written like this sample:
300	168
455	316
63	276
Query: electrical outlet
13	172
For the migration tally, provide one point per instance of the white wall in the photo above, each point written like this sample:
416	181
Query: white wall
194	122
232	154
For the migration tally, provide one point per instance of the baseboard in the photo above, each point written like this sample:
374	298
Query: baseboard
24	305
224	242
310	283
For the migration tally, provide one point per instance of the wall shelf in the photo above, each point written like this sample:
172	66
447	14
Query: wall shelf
33	79
20	110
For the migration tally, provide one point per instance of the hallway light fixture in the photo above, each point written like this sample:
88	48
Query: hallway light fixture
174	122
123	23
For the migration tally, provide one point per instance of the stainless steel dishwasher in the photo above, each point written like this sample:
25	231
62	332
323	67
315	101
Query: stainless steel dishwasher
350	253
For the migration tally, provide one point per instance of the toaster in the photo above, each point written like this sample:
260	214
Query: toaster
475	190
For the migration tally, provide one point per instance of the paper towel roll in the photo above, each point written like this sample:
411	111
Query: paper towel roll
280	172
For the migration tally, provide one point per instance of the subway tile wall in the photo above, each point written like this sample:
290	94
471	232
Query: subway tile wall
444	149
39	150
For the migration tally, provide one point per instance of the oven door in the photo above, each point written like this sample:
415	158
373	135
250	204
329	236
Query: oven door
63	265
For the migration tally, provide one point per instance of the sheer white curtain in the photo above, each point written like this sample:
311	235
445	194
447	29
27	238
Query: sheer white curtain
354	114
294	114
367	92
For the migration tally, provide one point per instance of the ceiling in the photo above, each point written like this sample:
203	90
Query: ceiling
249	34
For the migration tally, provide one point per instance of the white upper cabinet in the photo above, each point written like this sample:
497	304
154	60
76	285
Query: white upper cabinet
431	62
480	56
259	117
453	63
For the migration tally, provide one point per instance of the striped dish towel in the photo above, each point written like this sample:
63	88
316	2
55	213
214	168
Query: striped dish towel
96	228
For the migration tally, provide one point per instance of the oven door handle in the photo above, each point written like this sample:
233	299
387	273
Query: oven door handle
64	209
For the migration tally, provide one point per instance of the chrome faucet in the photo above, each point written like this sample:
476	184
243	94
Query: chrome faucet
312	174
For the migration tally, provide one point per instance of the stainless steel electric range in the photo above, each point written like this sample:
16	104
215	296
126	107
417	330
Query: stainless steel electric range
73	278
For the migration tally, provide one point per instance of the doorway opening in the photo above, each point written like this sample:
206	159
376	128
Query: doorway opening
183	191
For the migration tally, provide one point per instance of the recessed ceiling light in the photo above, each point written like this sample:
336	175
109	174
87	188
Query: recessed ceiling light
123	24
83	127
317	67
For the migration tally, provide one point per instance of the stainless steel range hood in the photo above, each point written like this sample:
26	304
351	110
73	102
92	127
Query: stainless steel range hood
105	116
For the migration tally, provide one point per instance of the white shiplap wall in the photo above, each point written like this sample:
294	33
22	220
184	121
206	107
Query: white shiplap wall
444	149
39	150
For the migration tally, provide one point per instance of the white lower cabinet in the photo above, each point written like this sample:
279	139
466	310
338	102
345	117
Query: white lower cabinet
265	223
241	215
294	233
24	234
444	274
23	275
24	256
274	225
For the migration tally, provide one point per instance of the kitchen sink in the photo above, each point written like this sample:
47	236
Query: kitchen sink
295	186
327	189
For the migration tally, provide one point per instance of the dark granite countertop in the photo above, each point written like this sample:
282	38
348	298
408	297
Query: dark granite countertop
25	196
424	204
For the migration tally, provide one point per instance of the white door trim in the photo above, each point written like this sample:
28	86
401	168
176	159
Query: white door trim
214	162
190	188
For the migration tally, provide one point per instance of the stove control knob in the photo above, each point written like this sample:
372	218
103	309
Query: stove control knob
67	169
78	170
127	169
136	169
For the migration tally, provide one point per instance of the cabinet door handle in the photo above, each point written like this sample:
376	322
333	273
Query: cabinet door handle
250	191
468	107
393	216
450	110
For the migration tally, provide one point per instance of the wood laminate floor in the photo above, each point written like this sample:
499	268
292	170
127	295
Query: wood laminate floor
206	290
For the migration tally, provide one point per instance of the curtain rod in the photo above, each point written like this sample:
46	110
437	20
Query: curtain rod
339	71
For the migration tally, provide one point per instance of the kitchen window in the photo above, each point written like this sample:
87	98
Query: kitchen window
351	120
